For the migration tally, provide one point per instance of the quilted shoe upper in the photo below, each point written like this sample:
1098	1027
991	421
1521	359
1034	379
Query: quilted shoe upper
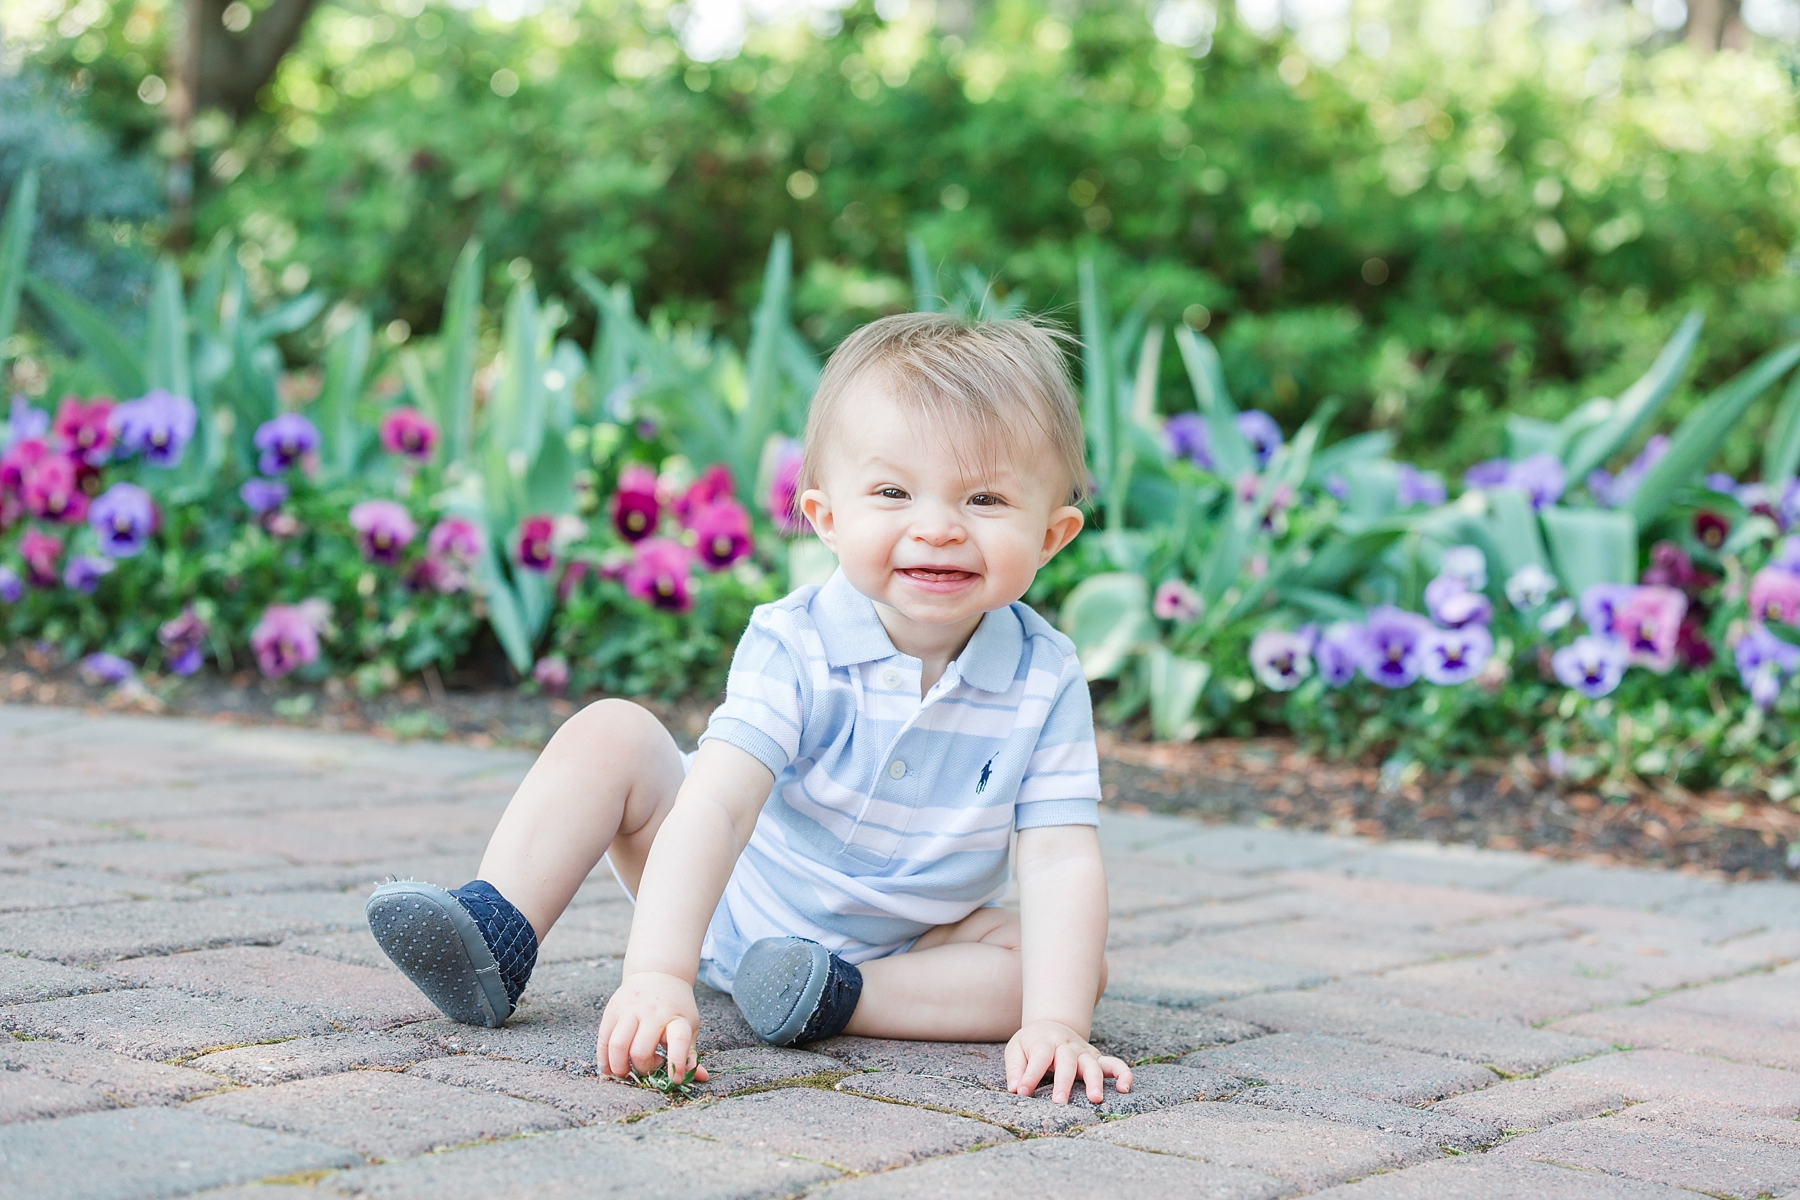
505	930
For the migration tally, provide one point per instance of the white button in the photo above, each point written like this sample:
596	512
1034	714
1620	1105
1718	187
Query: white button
897	769
891	677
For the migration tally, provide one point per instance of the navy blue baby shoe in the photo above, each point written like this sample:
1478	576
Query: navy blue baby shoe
470	951
794	990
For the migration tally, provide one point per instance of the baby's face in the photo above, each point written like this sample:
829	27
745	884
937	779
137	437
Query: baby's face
938	536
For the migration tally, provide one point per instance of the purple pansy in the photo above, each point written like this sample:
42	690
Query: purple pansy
1529	586
1489	474
1775	596
1609	491
1176	601
1185	436
384	529
1466	563
1451	656
1591	664
1787	513
263	496
1763	661
183	642
123	518
659	574
635	508
1338	652
1452	605
721	532
284	441
1649	623
24	421
1540	477
1391	646
1280	659
1600	605
84	572
287	636
1722	483
1263	434
106	670
12	588
552	674
158	425
1338	488
1414	487
1787	555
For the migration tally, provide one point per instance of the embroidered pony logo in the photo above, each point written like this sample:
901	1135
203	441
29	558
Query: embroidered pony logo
987	769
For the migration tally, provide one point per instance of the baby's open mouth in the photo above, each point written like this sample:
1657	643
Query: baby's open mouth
936	574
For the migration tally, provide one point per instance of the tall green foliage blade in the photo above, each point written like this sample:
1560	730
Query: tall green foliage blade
1512	528
762	366
924	279
166	362
1591	545
15	247
1096	381
1639	402
115	358
1781	454
1699	437
455	407
1231	453
346	363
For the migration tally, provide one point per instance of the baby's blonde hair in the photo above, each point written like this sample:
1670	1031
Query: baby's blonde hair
955	372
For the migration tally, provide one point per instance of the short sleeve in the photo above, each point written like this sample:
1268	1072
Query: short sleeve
1062	778
765	696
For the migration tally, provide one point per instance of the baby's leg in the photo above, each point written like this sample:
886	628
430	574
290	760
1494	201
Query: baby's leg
959	983
603	784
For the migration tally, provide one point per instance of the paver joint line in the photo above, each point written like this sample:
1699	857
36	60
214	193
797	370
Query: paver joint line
183	963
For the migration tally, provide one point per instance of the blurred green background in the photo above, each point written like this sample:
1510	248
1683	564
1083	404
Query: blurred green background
1440	212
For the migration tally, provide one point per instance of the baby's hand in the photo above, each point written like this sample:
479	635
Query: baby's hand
650	1009
1052	1046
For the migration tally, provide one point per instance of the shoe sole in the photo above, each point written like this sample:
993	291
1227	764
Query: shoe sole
434	941
778	984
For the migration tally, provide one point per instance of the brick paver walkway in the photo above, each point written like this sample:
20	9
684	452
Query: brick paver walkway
195	1003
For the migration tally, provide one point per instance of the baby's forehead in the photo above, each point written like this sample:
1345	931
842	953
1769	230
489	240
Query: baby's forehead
980	447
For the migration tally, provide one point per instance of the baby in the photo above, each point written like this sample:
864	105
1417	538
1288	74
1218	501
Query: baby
834	853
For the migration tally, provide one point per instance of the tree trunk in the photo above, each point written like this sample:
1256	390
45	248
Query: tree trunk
1713	25
233	67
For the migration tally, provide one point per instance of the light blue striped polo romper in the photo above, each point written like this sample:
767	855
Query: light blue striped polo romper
890	813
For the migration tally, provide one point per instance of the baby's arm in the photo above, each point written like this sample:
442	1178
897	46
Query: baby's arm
684	876
1062	913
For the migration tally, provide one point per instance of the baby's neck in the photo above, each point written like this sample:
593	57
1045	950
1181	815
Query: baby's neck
936	646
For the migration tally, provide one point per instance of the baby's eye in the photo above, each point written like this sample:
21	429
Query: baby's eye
985	500
891	493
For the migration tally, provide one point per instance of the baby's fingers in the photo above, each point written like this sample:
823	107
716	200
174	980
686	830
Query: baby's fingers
1038	1059
643	1046
1120	1073
678	1039
1094	1075
617	1061
1067	1064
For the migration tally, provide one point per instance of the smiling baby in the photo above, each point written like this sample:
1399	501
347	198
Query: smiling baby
835	852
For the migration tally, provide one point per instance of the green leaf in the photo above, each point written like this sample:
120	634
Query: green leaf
166	362
1699	437
1374	487
515	415
1781	453
1361	447
346	363
455	407
1107	616
115	358
1322	605
924	279
505	612
1231	453
1512	529
291	317
1591	545
1176	685
1096	381
15	247
762	406
1638	403
1526	436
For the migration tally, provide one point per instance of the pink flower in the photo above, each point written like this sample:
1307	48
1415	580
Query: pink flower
451	549
659	575
52	489
535	549
784	489
85	429
410	432
715	484
19	458
384	529
1649	624
721	532
1775	596
41	552
287	637
552	674
635	508
1176	601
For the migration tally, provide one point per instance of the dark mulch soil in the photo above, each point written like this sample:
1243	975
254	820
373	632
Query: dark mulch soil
1260	781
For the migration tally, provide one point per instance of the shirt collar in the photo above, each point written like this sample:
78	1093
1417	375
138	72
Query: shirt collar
852	633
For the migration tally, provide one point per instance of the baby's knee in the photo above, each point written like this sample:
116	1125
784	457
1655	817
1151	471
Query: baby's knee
604	728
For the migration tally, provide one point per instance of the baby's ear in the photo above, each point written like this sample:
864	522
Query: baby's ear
815	506
1064	524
